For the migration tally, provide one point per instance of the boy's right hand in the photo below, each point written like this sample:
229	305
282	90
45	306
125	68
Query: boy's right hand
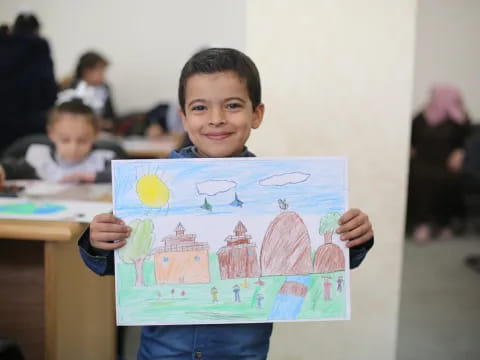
108	232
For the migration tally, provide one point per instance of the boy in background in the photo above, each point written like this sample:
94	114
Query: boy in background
220	99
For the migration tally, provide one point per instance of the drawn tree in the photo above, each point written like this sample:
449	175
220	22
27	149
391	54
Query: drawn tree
328	257
328	224
138	246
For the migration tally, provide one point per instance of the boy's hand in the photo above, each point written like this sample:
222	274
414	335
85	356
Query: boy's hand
108	232
81	177
355	228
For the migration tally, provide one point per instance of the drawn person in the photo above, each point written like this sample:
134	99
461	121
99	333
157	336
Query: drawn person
183	293
236	291
326	288
172	292
260	297
340	284
214	293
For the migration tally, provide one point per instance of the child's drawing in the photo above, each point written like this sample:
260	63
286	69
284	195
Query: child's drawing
231	240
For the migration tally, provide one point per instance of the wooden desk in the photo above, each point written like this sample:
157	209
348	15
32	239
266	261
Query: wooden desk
138	147
50	302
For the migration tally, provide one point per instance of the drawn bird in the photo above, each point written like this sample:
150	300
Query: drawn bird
237	202
282	203
206	205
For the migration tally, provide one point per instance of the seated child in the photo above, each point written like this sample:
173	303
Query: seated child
72	156
89	84
220	100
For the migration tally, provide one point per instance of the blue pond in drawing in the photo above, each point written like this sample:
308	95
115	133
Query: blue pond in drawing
231	240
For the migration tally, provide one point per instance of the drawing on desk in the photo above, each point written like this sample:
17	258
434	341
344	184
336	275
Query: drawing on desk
29	208
24	209
201	228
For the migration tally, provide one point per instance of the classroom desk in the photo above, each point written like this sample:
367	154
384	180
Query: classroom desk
140	147
50	302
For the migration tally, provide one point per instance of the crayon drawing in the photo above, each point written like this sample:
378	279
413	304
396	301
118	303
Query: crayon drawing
231	240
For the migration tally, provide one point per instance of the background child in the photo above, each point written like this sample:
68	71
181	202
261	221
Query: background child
71	156
90	85
220	100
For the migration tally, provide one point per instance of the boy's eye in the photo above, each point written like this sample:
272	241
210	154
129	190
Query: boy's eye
198	108
232	106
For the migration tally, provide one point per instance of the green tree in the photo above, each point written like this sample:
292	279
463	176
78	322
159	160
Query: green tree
328	224
138	246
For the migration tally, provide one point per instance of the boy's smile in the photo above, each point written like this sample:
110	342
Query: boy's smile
218	113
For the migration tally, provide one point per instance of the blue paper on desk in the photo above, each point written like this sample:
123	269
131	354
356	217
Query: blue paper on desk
27	209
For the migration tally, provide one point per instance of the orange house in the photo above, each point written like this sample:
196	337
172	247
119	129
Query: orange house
181	260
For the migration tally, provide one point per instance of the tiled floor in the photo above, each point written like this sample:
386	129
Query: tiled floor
440	304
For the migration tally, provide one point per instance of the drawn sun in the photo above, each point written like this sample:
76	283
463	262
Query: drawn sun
152	191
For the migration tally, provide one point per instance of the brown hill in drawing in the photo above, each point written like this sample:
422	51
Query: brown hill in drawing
286	248
328	258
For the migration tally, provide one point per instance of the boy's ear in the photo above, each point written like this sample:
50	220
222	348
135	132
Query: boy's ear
183	117
258	116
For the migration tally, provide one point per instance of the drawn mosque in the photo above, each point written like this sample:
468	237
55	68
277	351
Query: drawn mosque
181	259
238	258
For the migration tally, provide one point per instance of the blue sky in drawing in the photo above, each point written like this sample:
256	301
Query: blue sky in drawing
309	185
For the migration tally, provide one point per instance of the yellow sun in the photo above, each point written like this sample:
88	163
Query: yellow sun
152	191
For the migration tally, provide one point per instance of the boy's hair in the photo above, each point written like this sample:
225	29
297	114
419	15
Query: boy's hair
76	107
88	61
214	60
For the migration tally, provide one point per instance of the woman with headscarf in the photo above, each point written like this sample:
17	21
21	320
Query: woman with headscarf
438	137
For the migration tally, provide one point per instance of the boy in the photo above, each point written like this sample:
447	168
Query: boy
71	156
220	99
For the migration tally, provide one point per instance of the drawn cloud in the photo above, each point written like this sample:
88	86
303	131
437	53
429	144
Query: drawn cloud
284	179
214	187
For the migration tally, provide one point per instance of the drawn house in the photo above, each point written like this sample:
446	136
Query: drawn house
286	247
181	259
238	259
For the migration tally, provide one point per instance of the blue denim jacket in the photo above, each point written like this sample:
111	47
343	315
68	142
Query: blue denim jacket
208	342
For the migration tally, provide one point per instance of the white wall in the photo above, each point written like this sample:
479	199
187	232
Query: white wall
448	49
337	80
147	41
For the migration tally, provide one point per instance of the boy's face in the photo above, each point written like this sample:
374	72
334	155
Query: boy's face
218	113
73	136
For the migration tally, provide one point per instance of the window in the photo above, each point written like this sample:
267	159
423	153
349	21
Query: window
165	259
197	258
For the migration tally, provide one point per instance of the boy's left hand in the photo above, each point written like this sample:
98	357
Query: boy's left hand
355	228
83	177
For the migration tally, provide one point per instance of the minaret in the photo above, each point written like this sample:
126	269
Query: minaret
180	230
240	229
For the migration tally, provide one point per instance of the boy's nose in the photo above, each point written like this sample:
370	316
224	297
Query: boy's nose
217	117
